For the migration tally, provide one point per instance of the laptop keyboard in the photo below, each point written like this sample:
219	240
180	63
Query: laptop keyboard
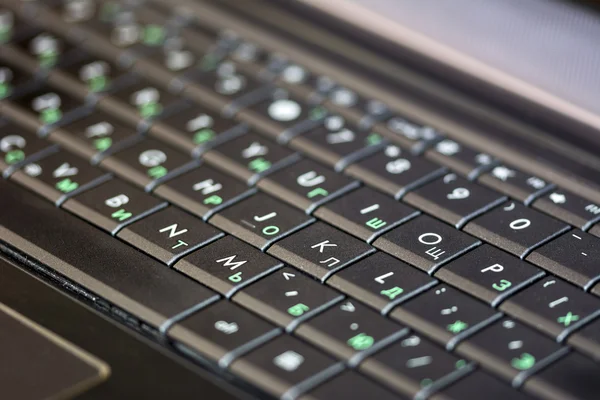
281	227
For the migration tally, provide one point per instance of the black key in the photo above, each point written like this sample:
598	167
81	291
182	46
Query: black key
572	378
282	116
98	75
44	47
508	348
320	250
350	386
145	162
480	382
395	171
462	159
93	135
348	330
572	256
112	205
570	208
111	271
454	199
553	306
169	234
489	274
260	220
233	88
515	228
218	331
195	129
249	157
414	364
425	243
51	107
337	143
227	265
287	297
306	185
313	88
587	339
57	175
365	112
408	133
16	144
445	314
15	78
202	191
13	27
283	363
147	102
516	184
365	213
381	281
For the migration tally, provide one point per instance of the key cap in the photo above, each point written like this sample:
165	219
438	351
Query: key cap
195	129
572	256
101	264
516	184
349	329
57	175
310	87
414	364
395	171
454	199
283	116
218	331
445	314
489	274
232	88
320	250
337	143
145	102
569	207
51	107
169	234
507	348
13	27
595	230
515	228
260	220
572	378
16	145
425	243
112	205
350	386
93	135
412	135
227	265
365	213
249	157
202	191
100	76
306	185
553	306
16	78
381	281
462	159
480	382
587	339
362	111
287	297
44	47
283	363
145	162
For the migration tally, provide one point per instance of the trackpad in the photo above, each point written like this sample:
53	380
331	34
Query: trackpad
37	364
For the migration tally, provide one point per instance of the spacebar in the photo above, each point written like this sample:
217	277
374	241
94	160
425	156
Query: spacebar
93	259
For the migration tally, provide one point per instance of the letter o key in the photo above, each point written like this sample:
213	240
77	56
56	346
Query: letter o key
430	238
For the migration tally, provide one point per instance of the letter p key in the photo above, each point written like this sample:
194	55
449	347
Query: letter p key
493	268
